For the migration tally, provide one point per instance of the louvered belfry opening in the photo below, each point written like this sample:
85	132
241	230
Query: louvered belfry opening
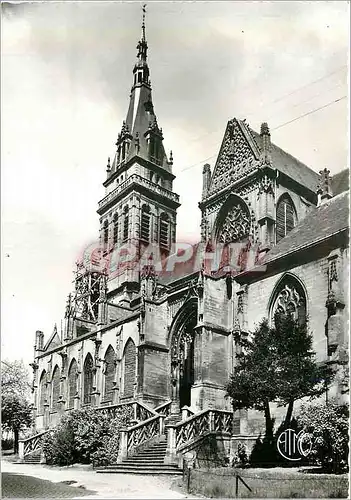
164	231
129	369
285	217
72	383
145	224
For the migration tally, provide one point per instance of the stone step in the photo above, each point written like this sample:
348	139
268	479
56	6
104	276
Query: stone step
143	471
143	463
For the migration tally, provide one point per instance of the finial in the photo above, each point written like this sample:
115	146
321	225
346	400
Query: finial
108	167
143	23
324	191
265	129
171	157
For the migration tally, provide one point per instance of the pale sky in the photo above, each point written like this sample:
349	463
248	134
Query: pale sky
66	79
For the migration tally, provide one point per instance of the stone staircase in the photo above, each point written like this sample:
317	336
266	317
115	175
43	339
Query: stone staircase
150	461
32	458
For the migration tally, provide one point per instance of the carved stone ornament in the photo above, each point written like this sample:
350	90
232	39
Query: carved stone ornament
235	159
236	225
333	273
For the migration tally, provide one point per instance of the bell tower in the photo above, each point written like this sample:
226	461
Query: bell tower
139	208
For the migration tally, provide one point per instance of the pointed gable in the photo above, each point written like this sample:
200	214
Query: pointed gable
238	155
54	340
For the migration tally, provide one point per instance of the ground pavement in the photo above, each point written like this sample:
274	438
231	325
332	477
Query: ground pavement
87	483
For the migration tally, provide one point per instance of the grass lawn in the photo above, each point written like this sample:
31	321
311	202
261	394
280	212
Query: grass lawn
19	486
271	483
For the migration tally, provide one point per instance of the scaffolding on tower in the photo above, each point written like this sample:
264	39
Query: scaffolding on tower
90	279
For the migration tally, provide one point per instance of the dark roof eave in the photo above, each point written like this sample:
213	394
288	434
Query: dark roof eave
262	268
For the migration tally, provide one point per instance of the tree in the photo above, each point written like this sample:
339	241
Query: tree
16	411
327	426
16	415
15	378
277	364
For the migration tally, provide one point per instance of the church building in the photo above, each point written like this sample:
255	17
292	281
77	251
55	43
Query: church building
165	342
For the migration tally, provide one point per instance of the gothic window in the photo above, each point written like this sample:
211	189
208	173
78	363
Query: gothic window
55	385
115	228
72	383
109	372
105	233
88	379
285	217
126	224
164	230
145	224
289	300
129	368
236	224
42	392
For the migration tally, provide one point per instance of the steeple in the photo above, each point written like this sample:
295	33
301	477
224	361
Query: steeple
140	133
139	207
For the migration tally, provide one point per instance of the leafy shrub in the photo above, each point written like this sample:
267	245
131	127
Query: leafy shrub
84	436
327	426
7	444
240	458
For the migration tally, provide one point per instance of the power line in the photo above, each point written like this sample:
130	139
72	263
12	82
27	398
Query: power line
276	128
281	98
310	112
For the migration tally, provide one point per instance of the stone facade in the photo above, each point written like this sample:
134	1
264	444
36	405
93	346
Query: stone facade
132	335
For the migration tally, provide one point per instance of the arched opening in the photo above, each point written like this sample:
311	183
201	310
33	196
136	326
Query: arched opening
109	373
129	368
289	299
55	382
182	353
72	383
42	392
88	376
285	216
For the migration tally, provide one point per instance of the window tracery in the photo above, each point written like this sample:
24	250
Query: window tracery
236	225
290	300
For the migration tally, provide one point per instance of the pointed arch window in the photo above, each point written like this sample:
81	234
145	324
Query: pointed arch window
234	222
55	383
145	224
115	229
109	373
289	300
42	392
285	217
88	379
72	383
164	231
129	368
126	224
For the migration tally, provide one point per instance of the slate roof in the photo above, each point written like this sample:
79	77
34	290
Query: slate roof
330	218
289	165
340	182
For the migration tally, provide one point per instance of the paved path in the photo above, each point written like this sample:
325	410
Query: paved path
103	485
